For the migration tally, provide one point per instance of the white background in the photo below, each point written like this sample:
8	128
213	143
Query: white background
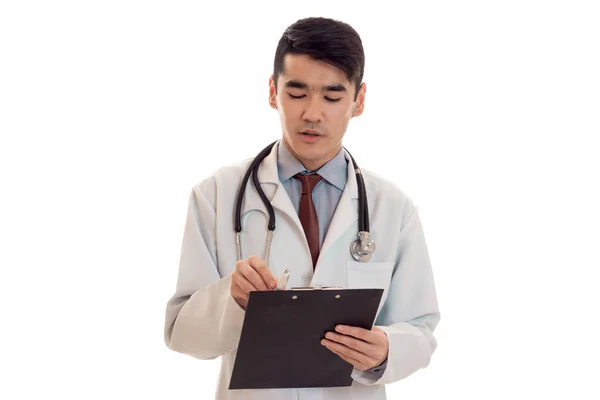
485	113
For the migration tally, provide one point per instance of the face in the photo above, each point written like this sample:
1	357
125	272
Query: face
315	102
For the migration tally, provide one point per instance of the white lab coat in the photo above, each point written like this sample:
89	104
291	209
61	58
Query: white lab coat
203	320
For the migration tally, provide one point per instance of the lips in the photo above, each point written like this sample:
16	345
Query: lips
311	132
310	137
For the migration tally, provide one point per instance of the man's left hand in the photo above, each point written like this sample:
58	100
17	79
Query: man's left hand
363	348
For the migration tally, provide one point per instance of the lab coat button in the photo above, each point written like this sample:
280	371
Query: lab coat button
306	278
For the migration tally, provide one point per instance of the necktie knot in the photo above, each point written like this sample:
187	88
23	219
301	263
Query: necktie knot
308	182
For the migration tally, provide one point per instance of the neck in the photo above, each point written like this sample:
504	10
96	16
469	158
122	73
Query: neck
311	165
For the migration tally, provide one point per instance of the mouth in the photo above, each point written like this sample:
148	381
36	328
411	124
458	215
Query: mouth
310	136
310	133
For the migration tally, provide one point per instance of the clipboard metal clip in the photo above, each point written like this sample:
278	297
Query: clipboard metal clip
318	287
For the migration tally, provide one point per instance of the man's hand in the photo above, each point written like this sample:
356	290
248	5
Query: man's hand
250	275
365	349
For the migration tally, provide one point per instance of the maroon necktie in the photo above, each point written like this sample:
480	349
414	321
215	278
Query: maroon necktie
308	214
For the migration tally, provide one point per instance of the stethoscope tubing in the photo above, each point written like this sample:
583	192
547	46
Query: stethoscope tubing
363	208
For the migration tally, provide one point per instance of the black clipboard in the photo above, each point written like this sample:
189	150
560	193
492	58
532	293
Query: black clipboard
280	345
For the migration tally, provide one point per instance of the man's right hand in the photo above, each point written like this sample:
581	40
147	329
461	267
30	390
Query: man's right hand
250	275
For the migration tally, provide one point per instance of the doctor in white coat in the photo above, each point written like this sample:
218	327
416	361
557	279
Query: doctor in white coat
317	88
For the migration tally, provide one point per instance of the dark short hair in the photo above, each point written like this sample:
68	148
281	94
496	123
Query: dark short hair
327	40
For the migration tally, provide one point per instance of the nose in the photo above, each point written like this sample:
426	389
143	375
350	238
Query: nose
313	112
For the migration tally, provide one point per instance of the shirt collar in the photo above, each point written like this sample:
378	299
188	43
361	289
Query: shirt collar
334	171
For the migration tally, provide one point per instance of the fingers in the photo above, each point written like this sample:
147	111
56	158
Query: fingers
259	266
348	341
363	348
246	286
369	336
375	336
256	272
356	363
250	275
240	289
358	360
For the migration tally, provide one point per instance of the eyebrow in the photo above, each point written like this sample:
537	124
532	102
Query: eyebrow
327	88
335	88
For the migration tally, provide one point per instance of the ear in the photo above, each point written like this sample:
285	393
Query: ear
360	100
272	93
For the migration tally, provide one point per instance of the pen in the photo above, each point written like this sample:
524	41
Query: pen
283	280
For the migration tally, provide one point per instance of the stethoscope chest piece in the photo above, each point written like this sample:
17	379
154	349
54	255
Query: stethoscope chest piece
363	247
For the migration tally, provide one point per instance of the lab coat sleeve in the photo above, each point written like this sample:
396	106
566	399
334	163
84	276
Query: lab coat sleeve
202	318
410	313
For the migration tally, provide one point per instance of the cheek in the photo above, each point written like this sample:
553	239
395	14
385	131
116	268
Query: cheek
350	110
288	112
341	115
342	109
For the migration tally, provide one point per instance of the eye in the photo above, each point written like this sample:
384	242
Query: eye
296	97
332	100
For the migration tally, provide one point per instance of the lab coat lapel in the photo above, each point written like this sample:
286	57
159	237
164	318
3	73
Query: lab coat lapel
346	213
268	177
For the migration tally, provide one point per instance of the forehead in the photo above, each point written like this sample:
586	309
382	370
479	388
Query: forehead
315	74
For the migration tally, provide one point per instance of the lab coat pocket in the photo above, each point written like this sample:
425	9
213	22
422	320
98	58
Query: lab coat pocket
370	275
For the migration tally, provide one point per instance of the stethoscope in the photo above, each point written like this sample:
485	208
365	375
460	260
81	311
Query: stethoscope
361	249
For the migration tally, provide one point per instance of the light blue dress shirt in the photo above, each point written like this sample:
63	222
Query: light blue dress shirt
326	193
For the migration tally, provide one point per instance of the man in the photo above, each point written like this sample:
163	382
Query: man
316	87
